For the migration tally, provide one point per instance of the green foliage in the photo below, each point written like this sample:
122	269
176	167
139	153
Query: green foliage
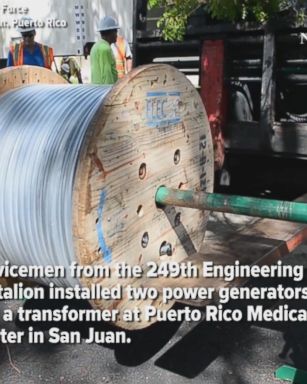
174	20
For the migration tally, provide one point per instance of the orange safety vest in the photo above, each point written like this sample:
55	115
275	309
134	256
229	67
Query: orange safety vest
17	54
120	56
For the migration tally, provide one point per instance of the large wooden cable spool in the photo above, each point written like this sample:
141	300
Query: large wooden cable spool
150	131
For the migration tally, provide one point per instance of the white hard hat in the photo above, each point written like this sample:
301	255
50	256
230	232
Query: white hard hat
107	23
26	24
65	68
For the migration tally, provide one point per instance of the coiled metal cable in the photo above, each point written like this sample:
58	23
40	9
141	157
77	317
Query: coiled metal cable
42	129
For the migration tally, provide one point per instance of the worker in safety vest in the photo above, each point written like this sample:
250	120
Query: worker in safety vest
123	56
103	68
28	51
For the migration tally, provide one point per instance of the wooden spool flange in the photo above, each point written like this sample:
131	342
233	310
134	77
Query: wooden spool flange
152	130
15	77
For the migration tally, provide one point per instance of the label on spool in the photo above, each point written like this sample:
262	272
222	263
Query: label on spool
163	109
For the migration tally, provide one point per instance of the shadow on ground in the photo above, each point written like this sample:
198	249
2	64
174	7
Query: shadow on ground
144	343
199	346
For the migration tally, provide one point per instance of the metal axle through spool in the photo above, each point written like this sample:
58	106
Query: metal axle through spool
240	205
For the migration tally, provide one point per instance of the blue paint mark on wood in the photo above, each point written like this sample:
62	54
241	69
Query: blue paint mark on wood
106	252
155	94
175	93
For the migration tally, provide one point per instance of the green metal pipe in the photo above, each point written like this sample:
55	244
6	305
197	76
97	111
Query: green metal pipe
240	205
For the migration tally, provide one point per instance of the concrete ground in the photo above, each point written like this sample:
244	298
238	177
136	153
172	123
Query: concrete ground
165	353
205	353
